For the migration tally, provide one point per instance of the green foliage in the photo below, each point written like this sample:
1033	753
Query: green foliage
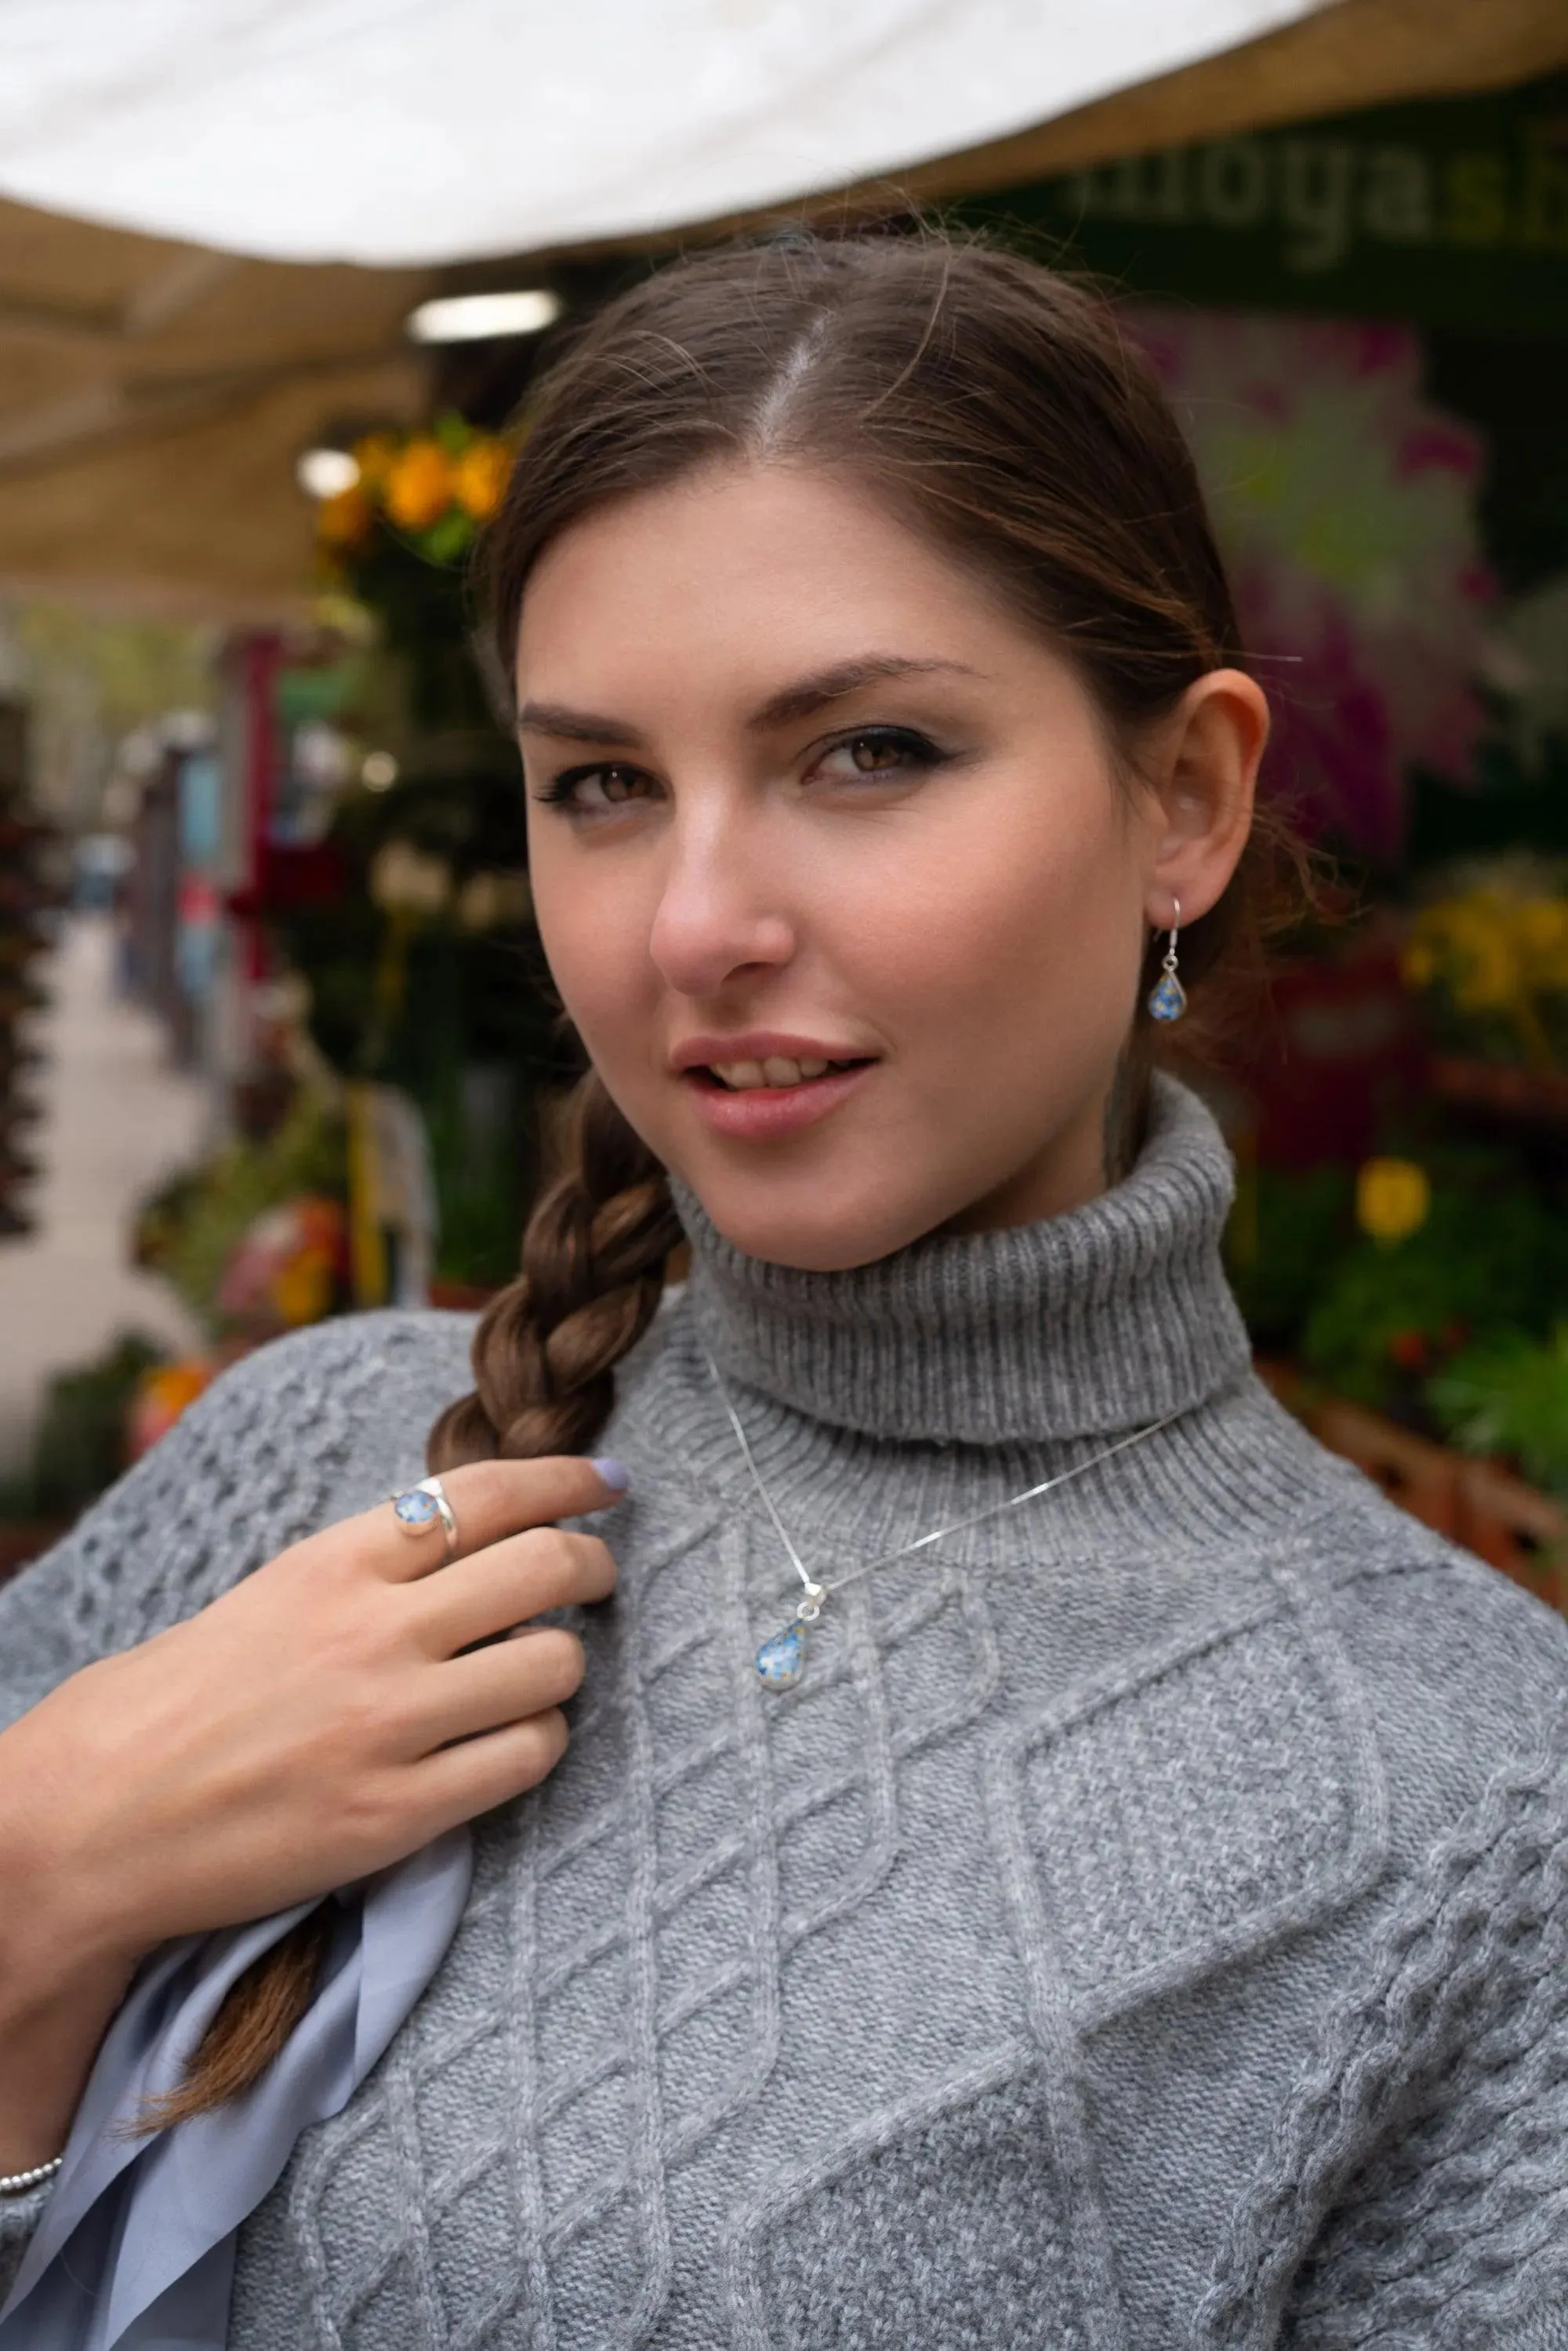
79	1449
1510	1395
1288	1226
456	1015
189	1227
1491	1260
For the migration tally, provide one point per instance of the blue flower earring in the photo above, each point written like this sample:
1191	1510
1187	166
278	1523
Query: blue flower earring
1167	997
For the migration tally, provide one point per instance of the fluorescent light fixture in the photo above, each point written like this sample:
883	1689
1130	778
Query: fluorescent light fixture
477	317
326	473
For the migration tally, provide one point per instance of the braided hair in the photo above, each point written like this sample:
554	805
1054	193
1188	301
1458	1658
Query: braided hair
593	1268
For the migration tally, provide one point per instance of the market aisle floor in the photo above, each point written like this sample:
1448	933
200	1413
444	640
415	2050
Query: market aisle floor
118	1118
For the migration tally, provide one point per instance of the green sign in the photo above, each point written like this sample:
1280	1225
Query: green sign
1450	214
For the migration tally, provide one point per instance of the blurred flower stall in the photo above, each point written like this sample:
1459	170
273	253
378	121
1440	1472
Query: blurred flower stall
405	916
1376	409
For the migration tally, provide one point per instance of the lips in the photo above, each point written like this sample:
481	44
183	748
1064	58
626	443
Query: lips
774	1069
765	1089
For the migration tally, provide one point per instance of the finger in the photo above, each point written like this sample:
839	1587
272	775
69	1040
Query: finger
457	1783
506	1683
513	1580
489	1501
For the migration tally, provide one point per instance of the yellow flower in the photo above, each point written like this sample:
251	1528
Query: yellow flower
302	1289
480	477
419	485
1392	1199
1419	964
1486	976
1541	929
375	457
343	522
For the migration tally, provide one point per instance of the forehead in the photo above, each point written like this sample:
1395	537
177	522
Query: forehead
747	573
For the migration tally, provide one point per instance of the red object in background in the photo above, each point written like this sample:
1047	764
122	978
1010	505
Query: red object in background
1342	1046
196	900
289	1266
309	875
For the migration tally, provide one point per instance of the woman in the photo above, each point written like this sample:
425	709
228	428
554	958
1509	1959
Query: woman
1044	1855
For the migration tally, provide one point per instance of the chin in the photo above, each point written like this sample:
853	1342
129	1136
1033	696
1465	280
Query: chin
810	1237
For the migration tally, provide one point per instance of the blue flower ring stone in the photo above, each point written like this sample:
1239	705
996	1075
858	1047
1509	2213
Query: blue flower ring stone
416	1508
778	1661
1169	1000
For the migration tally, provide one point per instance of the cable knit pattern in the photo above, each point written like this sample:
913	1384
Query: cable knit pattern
1417	2189
1143	1925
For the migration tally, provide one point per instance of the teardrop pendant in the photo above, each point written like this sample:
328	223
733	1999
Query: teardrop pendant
779	1661
1168	998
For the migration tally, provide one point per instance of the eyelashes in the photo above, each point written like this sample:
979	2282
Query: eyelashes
562	791
893	750
888	753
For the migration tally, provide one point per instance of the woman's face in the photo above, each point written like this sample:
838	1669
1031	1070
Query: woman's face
831	866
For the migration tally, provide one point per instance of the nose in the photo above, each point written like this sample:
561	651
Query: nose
720	913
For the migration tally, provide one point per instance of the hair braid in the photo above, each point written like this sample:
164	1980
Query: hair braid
544	1372
593	1268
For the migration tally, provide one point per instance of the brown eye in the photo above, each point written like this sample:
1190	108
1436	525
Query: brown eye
619	783
871	753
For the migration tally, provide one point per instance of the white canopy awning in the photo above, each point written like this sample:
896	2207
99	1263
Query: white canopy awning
403	132
154	389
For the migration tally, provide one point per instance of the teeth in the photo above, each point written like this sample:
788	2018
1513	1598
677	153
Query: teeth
778	1070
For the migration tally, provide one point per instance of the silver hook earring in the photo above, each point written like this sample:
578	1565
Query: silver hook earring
1167	997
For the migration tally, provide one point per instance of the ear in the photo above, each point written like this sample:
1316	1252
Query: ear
1205	777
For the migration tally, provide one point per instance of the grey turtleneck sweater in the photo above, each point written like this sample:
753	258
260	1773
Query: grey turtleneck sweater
1145	1924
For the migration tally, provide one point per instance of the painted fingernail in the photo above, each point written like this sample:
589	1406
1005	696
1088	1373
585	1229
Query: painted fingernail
615	1474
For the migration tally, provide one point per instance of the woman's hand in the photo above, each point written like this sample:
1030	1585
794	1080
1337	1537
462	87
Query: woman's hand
323	1719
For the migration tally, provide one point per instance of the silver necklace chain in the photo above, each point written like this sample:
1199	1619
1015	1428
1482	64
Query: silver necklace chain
781	1659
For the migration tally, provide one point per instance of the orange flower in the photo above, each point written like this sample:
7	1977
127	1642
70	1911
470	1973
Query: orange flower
480	478
343	522
375	457
419	485
161	1394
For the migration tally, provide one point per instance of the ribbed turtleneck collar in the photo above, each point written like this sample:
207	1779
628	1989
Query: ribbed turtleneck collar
1084	1325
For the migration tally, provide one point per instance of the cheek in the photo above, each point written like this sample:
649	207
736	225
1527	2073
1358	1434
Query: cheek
1000	930
593	933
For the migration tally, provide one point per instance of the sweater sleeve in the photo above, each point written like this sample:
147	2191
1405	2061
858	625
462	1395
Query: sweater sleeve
273	1450
1416	2193
257	1462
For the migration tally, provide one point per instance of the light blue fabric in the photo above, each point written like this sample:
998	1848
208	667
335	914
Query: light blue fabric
135	2250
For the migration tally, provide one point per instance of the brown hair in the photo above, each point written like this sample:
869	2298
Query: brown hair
998	408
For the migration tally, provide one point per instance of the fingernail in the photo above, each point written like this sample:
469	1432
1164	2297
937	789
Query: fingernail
615	1474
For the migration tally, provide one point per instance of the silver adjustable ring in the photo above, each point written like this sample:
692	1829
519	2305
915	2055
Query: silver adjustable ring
418	1508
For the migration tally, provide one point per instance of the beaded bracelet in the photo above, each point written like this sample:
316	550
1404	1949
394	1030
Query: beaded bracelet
16	2183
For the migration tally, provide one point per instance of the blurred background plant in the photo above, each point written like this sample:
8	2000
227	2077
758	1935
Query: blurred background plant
214	1230
1427	1290
1509	1397
396	542
1489	959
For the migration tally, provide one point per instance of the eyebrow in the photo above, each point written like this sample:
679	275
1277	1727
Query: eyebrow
801	700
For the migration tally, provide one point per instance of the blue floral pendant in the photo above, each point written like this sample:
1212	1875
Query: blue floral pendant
781	1661
1168	998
